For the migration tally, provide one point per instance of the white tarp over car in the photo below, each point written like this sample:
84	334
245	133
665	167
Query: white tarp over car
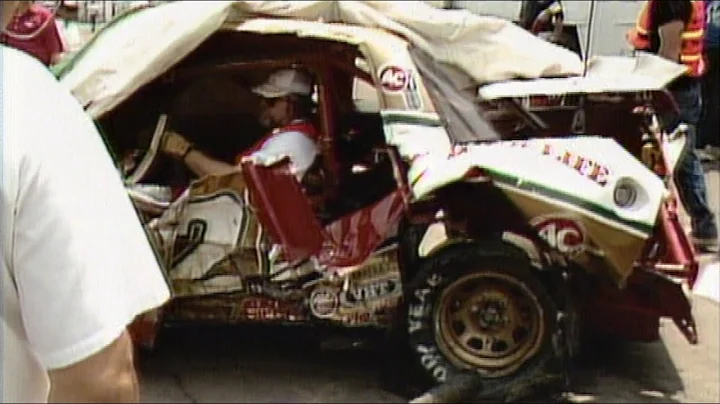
143	44
487	48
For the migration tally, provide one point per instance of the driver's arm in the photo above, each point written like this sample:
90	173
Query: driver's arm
198	162
203	165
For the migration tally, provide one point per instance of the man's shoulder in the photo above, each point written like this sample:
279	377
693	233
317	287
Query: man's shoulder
30	84
21	68
12	55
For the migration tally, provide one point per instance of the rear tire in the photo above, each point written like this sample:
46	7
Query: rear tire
480	308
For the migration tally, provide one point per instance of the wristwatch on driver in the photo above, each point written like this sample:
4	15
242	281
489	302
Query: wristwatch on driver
175	145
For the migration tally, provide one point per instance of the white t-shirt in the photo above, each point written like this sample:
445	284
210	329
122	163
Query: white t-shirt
76	266
297	146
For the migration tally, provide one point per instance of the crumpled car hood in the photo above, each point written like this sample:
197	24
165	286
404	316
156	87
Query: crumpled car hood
577	177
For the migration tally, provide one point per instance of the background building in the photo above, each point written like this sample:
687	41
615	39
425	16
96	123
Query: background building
96	12
611	19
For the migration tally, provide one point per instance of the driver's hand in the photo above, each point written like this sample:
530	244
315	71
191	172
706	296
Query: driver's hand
175	145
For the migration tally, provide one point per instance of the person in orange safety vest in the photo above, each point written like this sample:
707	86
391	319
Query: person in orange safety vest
675	30
644	35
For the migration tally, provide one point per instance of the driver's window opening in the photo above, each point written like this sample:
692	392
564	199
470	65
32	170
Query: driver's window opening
210	102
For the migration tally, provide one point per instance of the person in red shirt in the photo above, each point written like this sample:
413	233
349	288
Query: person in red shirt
33	31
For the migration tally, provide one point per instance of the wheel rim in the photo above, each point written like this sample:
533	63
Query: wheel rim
490	322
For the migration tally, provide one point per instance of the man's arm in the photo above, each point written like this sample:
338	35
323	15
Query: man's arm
108	376
559	19
198	162
671	17
671	40
202	165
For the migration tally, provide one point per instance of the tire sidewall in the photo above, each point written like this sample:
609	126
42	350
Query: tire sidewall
441	270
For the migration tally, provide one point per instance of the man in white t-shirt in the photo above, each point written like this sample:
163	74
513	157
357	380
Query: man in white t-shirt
76	266
285	108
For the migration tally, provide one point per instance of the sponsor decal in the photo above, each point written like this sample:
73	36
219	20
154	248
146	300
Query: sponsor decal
324	302
363	293
358	318
268	309
186	244
394	79
586	167
411	93
380	314
376	267
565	235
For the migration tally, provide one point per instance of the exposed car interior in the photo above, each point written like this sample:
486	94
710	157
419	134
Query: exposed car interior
207	98
557	116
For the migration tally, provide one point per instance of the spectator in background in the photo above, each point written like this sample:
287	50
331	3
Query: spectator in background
33	30
708	136
66	19
674	31
543	17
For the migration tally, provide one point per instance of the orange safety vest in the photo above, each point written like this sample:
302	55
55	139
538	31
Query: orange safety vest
304	127
692	36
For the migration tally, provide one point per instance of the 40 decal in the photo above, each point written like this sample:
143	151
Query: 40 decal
566	235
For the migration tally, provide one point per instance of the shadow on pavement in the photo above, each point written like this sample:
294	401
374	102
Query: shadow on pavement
276	364
258	364
620	371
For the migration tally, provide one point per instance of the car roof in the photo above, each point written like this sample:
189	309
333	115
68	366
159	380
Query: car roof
133	50
340	32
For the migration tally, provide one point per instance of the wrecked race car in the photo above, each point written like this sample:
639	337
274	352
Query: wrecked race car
489	254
